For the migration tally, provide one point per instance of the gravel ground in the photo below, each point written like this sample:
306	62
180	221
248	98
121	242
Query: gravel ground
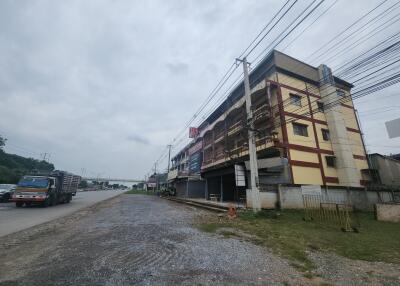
134	239
343	271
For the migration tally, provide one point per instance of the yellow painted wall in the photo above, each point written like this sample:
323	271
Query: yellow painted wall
312	88
293	82
328	171
301	140
361	164
349	100
326	145
303	156
349	117
306	175
356	143
317	115
288	107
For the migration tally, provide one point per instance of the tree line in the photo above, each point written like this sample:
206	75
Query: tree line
13	167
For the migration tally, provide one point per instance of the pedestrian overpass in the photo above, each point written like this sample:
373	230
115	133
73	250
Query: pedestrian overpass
99	179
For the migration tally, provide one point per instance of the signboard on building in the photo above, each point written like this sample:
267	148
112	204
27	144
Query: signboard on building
393	128
312	190
240	176
195	148
195	161
193	132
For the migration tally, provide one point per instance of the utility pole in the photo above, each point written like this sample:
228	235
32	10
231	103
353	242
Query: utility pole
155	174
45	156
169	159
255	193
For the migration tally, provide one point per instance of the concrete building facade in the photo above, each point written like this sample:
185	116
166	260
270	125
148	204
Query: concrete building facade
184	174
307	131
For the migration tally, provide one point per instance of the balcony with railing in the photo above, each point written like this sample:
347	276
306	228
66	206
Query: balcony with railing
233	130
235	121
261	113
260	106
208	156
219	151
208	139
219	131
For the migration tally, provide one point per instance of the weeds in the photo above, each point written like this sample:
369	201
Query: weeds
288	235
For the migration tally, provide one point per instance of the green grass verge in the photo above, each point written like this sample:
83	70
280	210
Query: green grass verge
290	236
139	192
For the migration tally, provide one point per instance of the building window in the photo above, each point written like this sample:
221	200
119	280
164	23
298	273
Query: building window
295	99
330	161
300	129
320	107
325	134
340	93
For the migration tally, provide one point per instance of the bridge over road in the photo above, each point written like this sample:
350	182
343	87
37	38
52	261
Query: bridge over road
99	179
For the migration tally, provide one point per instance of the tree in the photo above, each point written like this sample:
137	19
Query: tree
83	184
2	142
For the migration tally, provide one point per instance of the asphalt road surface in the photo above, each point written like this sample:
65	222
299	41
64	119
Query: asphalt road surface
136	240
14	219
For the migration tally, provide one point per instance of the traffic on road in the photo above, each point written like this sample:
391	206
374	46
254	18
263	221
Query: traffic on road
13	219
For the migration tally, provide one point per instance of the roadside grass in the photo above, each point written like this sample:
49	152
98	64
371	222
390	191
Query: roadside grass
138	192
288	235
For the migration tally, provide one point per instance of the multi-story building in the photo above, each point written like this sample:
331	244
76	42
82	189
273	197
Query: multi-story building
307	132
184	174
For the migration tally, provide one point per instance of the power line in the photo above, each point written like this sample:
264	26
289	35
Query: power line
359	30
364	92
262	38
265	27
346	29
306	28
229	73
272	46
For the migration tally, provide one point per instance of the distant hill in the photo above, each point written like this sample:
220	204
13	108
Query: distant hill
12	167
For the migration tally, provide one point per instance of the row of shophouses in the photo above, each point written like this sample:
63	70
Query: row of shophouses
307	133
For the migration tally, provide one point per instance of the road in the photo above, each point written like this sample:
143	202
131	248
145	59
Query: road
137	240
14	219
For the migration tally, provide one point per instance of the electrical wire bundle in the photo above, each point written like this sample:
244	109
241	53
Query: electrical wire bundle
371	70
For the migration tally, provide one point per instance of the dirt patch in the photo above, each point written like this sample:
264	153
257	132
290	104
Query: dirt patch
343	271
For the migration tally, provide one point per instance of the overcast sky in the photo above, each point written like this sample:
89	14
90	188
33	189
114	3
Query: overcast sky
105	85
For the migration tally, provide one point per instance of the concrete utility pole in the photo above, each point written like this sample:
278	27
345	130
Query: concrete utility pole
155	174
255	193
169	159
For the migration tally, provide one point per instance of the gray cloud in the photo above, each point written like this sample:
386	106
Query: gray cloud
138	139
177	67
80	79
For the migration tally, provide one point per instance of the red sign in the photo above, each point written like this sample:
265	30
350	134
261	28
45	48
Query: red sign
193	132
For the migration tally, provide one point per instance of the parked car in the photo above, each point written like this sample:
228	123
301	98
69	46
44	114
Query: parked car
6	192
